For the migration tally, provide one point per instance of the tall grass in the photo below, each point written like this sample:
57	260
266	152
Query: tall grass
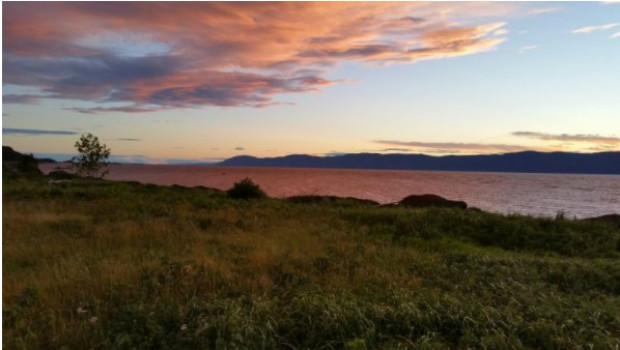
114	265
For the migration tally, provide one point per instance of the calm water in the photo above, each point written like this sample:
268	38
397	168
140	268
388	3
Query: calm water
535	194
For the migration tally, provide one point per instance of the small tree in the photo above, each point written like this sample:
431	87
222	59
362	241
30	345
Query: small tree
93	156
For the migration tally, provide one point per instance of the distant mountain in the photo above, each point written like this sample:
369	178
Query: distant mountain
522	162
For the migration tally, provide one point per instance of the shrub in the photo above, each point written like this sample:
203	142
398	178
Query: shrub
246	189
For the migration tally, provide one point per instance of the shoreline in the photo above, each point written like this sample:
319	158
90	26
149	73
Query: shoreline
314	196
545	195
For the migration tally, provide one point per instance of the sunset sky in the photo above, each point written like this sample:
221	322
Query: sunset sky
166	82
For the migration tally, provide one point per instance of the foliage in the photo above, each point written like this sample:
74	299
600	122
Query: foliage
92	158
246	189
151	267
28	164
593	238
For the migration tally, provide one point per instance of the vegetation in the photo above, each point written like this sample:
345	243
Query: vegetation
122	265
92	158
246	189
15	164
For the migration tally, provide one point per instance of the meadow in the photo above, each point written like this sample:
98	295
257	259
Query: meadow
95	264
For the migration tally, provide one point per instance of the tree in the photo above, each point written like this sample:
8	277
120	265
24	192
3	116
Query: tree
93	155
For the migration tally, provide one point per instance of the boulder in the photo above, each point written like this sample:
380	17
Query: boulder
430	200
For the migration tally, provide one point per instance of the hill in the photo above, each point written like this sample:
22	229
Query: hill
17	164
525	162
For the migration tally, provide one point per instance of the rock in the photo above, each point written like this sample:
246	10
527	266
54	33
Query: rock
430	200
60	175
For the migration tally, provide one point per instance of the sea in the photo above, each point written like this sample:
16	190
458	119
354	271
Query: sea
543	195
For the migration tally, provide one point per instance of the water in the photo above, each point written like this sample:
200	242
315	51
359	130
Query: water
534	194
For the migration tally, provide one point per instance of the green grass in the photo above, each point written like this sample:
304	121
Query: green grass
117	265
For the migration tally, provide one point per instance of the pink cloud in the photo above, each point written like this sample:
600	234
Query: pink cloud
154	55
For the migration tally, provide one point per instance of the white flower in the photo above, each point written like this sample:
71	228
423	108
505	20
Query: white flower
184	327
93	319
80	310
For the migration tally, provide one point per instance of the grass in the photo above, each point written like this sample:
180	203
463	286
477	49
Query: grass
120	265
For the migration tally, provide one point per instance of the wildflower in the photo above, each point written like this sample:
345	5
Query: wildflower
93	319
80	310
183	327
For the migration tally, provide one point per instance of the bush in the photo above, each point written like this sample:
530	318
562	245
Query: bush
246	189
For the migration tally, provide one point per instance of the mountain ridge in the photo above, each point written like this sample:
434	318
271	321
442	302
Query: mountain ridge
523	162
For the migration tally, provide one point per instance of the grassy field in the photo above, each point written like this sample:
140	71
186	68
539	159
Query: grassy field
115	265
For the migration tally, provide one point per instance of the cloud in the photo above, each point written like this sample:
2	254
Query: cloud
181	161
591	29
453	147
132	159
615	35
543	10
22	99
239	149
528	48
334	154
123	109
128	139
144	159
396	150
501	32
37	132
596	139
602	148
152	56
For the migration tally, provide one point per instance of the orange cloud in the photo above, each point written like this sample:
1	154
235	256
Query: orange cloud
595	139
151	55
452	147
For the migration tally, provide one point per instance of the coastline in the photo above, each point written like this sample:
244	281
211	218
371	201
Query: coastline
545	195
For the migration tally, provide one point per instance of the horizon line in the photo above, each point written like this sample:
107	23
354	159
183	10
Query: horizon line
142	159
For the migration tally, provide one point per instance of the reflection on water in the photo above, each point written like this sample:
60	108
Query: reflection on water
535	194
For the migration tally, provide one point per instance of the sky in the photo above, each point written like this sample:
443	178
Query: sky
172	82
